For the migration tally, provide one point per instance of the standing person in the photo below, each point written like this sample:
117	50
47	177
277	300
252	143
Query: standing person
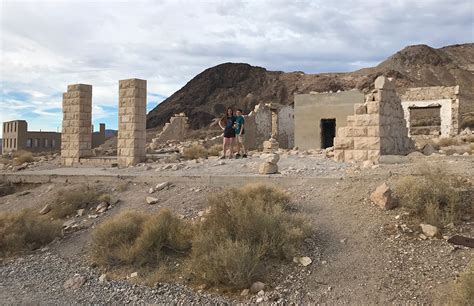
227	124
240	132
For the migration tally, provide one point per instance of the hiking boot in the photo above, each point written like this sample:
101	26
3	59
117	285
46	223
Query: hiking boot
244	156
237	156
222	157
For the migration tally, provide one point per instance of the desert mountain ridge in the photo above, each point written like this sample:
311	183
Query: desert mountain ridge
243	86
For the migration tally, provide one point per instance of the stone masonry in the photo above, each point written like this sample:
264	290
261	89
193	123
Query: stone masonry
176	129
131	143
76	138
376	128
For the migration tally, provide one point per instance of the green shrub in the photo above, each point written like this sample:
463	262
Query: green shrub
68	202
195	152
25	231
433	196
137	239
253	222
215	150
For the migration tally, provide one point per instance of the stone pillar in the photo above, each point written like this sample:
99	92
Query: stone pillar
131	142
76	136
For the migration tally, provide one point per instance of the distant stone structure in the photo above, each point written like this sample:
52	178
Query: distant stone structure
17	137
444	101
131	142
76	138
377	127
176	129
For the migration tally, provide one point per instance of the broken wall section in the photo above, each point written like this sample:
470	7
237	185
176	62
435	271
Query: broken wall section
377	127
447	98
176	129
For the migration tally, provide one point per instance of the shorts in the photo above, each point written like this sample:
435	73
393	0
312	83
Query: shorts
229	133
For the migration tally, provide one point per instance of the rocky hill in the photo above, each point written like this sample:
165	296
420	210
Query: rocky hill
243	86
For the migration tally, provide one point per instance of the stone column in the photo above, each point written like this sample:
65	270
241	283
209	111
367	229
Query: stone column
131	144
76	136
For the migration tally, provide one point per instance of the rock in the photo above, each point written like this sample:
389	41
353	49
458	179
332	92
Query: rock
268	168
305	261
151	190
256	287
80	212
134	274
465	154
261	293
259	299
46	209
272	158
103	278
415	155
382	196
428	149
161	186
245	292
69	223
367	164
429	230
462	240
383	83
75	282
151	200
102	207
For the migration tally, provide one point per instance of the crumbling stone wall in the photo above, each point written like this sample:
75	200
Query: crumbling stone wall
76	137
377	127
447	97
258	126
286	127
176	129
131	141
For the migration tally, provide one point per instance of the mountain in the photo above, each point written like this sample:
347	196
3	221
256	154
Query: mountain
243	86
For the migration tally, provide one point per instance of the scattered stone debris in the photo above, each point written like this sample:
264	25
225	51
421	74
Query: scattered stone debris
428	149
304	261
102	207
151	200
429	230
382	197
462	240
102	278
80	212
256	287
46	209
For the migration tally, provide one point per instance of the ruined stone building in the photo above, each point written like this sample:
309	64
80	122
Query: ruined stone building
318	115
17	137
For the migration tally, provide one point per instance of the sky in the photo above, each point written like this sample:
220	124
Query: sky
46	45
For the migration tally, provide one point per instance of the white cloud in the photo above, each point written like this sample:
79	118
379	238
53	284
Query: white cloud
46	45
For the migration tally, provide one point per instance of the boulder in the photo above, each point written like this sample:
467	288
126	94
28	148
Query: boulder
102	207
256	287
75	282
382	197
151	200
268	168
429	230
428	149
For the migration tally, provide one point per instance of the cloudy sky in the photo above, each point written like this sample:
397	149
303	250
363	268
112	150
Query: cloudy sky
45	45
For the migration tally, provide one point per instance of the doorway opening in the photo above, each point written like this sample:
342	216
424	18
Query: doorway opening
328	132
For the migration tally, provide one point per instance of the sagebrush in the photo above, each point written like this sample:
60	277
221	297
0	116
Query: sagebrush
462	291
215	150
25	231
434	196
68	201
195	152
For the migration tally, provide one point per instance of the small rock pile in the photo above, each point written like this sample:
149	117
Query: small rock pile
269	166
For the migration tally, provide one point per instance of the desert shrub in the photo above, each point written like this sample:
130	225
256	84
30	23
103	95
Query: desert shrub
444	142
25	231
215	150
68	202
21	157
137	239
468	121
433	196
462	292
252	223
195	152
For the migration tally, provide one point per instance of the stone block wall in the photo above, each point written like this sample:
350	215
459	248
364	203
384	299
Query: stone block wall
376	128
176	129
131	142
76	137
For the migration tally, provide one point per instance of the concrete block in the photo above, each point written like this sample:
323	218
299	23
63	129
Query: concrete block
343	143
373	107
367	143
360	109
79	87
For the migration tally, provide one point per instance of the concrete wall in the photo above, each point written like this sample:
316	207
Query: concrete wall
311	108
286	127
17	137
446	97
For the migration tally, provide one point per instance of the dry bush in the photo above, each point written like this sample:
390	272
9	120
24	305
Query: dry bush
195	152
462	292
137	239
468	121
21	157
434	196
444	142
25	231
68	202
245	227
215	150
